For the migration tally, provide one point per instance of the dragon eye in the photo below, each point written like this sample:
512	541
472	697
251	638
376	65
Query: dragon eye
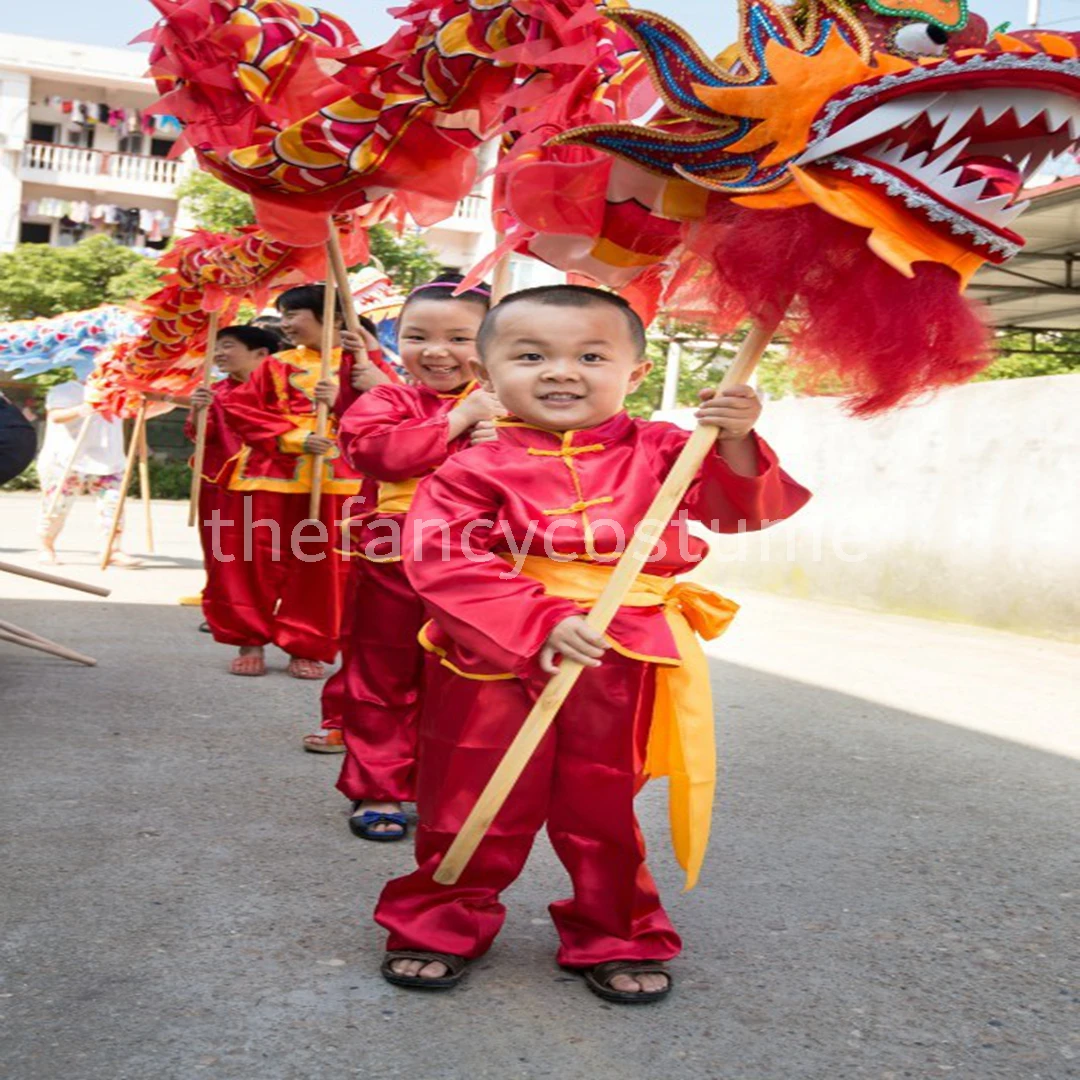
920	39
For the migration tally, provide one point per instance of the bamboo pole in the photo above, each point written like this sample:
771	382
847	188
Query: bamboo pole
80	439
32	641
341	279
322	412
200	422
53	579
129	468
144	488
645	538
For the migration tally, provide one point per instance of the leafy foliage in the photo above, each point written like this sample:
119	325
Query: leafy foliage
213	204
406	259
39	280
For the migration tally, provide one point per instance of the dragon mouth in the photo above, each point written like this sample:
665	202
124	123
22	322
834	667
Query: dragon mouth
959	157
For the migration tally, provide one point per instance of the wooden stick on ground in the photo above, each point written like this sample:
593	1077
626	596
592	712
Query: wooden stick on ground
144	488
645	538
200	422
32	641
53	579
129	468
322	413
80	439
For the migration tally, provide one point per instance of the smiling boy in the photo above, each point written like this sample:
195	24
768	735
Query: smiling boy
566	483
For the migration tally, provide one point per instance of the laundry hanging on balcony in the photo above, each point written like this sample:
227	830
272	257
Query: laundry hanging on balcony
130	121
156	224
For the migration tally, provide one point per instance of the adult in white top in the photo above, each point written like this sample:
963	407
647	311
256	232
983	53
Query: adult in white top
98	468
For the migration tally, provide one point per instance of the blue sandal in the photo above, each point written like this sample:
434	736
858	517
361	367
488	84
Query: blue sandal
363	825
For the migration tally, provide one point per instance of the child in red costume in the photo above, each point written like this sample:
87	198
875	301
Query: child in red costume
240	350
362	369
293	573
398	435
520	538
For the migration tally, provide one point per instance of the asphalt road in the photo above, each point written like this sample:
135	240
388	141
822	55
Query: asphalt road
890	892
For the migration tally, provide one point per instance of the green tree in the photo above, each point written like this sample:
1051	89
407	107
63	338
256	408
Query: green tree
214	205
406	259
39	280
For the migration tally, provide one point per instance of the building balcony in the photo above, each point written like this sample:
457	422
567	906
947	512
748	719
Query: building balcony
471	215
100	170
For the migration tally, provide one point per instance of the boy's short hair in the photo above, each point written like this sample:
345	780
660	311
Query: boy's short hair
308	298
254	337
577	296
442	288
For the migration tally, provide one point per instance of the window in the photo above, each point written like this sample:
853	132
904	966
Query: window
81	136
131	144
161	147
33	233
44	133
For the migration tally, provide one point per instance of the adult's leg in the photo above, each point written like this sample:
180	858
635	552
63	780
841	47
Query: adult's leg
382	666
465	727
601	732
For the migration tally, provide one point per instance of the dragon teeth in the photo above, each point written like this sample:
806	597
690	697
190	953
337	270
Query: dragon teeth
1009	215
954	123
968	195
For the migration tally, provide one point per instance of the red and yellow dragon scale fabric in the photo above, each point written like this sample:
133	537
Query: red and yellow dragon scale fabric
853	162
206	272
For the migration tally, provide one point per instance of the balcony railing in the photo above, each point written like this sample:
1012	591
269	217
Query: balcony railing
473	207
75	160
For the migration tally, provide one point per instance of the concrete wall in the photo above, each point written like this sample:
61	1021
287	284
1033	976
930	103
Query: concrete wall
966	507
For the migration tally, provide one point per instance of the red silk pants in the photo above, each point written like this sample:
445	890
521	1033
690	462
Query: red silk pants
270	590
581	781
381	670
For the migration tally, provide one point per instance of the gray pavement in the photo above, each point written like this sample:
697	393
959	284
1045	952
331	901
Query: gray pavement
890	893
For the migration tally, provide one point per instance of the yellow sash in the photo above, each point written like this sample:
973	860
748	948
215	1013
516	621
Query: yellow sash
396	497
682	739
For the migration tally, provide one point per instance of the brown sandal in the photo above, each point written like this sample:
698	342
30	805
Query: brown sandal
598	980
455	972
302	668
252	664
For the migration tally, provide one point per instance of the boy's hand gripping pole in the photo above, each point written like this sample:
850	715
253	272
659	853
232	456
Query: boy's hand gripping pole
645	538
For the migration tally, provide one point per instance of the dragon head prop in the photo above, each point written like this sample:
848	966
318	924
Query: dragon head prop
904	117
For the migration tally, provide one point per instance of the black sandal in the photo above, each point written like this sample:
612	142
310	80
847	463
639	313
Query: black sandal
363	825
598	980
455	965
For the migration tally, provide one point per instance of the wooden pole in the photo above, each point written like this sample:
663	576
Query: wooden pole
644	541
32	641
53	579
200	422
322	413
80	439
129	468
341	279
144	487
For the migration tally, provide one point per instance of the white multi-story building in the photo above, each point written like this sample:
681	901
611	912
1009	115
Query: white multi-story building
79	155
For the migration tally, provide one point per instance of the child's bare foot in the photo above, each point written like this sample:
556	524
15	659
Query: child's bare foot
47	556
629	982
251	661
383	821
421	970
